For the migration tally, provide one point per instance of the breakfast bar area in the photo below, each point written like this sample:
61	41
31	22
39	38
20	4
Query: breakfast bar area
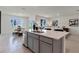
48	41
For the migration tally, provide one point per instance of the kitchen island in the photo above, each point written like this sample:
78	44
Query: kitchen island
48	41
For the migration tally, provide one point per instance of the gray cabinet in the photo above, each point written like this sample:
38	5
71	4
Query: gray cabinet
33	42
25	38
58	46
46	39
45	48
30	43
42	44
45	45
36	45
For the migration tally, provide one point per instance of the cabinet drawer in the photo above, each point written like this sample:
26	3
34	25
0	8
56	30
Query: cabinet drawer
45	39
33	35
45	48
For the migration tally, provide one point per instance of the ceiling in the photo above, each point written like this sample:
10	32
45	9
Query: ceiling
40	10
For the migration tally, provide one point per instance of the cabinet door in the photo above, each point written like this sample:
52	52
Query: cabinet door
25	42
30	42
36	45
25	39
58	46
45	48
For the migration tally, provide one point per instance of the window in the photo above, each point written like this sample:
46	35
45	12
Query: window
16	21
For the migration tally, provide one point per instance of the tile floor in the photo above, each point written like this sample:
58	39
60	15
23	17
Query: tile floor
12	44
72	44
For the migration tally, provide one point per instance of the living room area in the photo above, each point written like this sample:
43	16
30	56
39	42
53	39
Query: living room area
15	20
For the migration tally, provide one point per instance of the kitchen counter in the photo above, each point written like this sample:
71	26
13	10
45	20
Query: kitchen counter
48	41
51	34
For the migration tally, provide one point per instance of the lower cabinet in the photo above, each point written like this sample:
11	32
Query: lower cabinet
30	43
25	38
40	44
45	48
58	46
33	44
36	45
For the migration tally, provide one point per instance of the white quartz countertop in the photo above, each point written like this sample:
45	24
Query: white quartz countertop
51	34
